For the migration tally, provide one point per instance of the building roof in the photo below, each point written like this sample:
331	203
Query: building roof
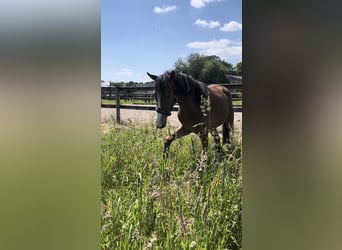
235	77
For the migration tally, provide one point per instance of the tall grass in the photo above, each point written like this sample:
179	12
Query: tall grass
184	202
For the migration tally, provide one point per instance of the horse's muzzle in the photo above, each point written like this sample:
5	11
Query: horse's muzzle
161	117
164	112
161	120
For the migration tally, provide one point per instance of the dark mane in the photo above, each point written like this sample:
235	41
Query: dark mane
186	85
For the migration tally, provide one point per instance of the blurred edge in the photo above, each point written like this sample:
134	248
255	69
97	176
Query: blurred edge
49	132
50	147
292	134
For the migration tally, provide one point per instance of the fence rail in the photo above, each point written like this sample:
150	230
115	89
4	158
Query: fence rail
145	93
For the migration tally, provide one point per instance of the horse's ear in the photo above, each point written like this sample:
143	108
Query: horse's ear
172	74
153	77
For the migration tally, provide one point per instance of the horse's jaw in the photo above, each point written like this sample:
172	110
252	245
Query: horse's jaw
161	120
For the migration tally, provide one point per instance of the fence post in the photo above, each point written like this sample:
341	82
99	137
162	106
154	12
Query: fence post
117	96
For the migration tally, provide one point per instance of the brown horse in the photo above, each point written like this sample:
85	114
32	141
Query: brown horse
201	108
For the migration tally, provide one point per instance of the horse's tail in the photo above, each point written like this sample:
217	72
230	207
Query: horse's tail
228	125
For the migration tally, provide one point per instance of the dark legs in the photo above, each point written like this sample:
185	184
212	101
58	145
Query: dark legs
225	133
216	138
180	132
204	141
227	128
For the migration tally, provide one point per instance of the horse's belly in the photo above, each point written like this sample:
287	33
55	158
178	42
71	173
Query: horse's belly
191	121
196	122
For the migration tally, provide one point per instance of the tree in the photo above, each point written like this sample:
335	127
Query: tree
213	72
131	84
181	66
208	69
238	69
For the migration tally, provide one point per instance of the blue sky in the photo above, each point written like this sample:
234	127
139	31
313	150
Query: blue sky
150	35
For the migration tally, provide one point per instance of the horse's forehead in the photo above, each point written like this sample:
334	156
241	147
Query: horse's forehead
160	82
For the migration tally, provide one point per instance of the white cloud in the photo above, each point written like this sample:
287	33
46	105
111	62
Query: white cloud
222	48
124	72
232	26
166	9
201	3
205	24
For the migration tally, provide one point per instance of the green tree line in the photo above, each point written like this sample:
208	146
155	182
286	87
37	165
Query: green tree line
208	69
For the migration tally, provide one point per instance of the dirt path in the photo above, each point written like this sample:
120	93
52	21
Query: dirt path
148	117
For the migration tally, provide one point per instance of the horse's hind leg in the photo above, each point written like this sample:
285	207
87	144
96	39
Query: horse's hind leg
216	137
225	133
228	127
180	132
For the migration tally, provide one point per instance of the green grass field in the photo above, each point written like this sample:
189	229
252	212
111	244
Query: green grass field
184	202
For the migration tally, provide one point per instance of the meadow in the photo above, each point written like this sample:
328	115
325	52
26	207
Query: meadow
187	201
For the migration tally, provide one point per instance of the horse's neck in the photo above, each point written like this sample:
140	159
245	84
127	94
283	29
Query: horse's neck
191	98
186	102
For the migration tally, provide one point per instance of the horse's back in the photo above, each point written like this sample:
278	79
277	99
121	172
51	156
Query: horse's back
221	103
218	89
219	94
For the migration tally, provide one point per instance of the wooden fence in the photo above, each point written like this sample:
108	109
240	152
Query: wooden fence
145	93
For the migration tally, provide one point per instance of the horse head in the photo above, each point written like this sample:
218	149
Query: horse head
165	95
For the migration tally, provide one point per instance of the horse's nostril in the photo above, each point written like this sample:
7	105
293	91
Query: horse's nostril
158	125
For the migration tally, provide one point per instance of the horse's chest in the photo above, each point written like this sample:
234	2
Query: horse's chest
182	117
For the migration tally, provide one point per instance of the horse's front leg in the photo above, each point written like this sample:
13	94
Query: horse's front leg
180	132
